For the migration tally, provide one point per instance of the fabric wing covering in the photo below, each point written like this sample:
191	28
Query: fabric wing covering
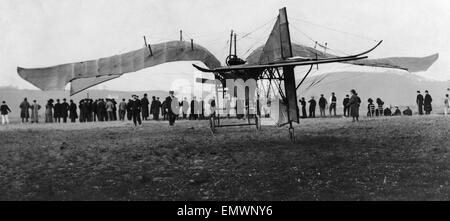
278	112
84	75
410	64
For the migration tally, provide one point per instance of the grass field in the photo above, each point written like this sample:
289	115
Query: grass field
395	158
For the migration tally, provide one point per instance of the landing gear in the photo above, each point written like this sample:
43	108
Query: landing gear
212	124
258	122
291	134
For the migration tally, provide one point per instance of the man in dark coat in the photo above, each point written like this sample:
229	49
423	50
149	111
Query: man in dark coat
312	108
89	110
333	102
419	102
57	113
159	106
427	103
95	110
346	107
354	103
114	108
136	110
164	109
129	109
145	103
322	105
24	110
80	106
303	103
85	110
172	107
64	110
154	108
100	107
73	111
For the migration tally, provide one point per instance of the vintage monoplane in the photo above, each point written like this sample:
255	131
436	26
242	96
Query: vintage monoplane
274	61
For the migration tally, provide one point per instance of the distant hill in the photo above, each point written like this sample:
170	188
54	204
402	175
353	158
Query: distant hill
392	88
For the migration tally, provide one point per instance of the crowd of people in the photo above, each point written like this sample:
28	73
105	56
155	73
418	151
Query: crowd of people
351	105
136	110
108	109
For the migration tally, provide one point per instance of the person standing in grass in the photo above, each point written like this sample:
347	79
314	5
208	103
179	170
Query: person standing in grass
24	110
380	104
312	108
345	103
145	103
172	107
353	104
109	109
49	111
57	112
427	103
446	105
303	103
136	110
370	108
129	109
122	110
73	111
333	101
64	110
35	107
419	102
322	105
4	111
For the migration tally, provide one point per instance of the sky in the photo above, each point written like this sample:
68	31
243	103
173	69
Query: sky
40	33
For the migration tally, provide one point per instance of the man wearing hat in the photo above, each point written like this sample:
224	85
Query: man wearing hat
136	110
145	103
64	110
427	103
172	107
419	102
446	104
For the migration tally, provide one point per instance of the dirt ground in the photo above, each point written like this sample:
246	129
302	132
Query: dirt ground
394	158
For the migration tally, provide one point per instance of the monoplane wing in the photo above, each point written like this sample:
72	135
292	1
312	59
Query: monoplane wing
89	73
287	63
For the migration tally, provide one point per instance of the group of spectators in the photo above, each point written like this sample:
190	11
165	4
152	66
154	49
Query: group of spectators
374	108
89	110
351	106
108	109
